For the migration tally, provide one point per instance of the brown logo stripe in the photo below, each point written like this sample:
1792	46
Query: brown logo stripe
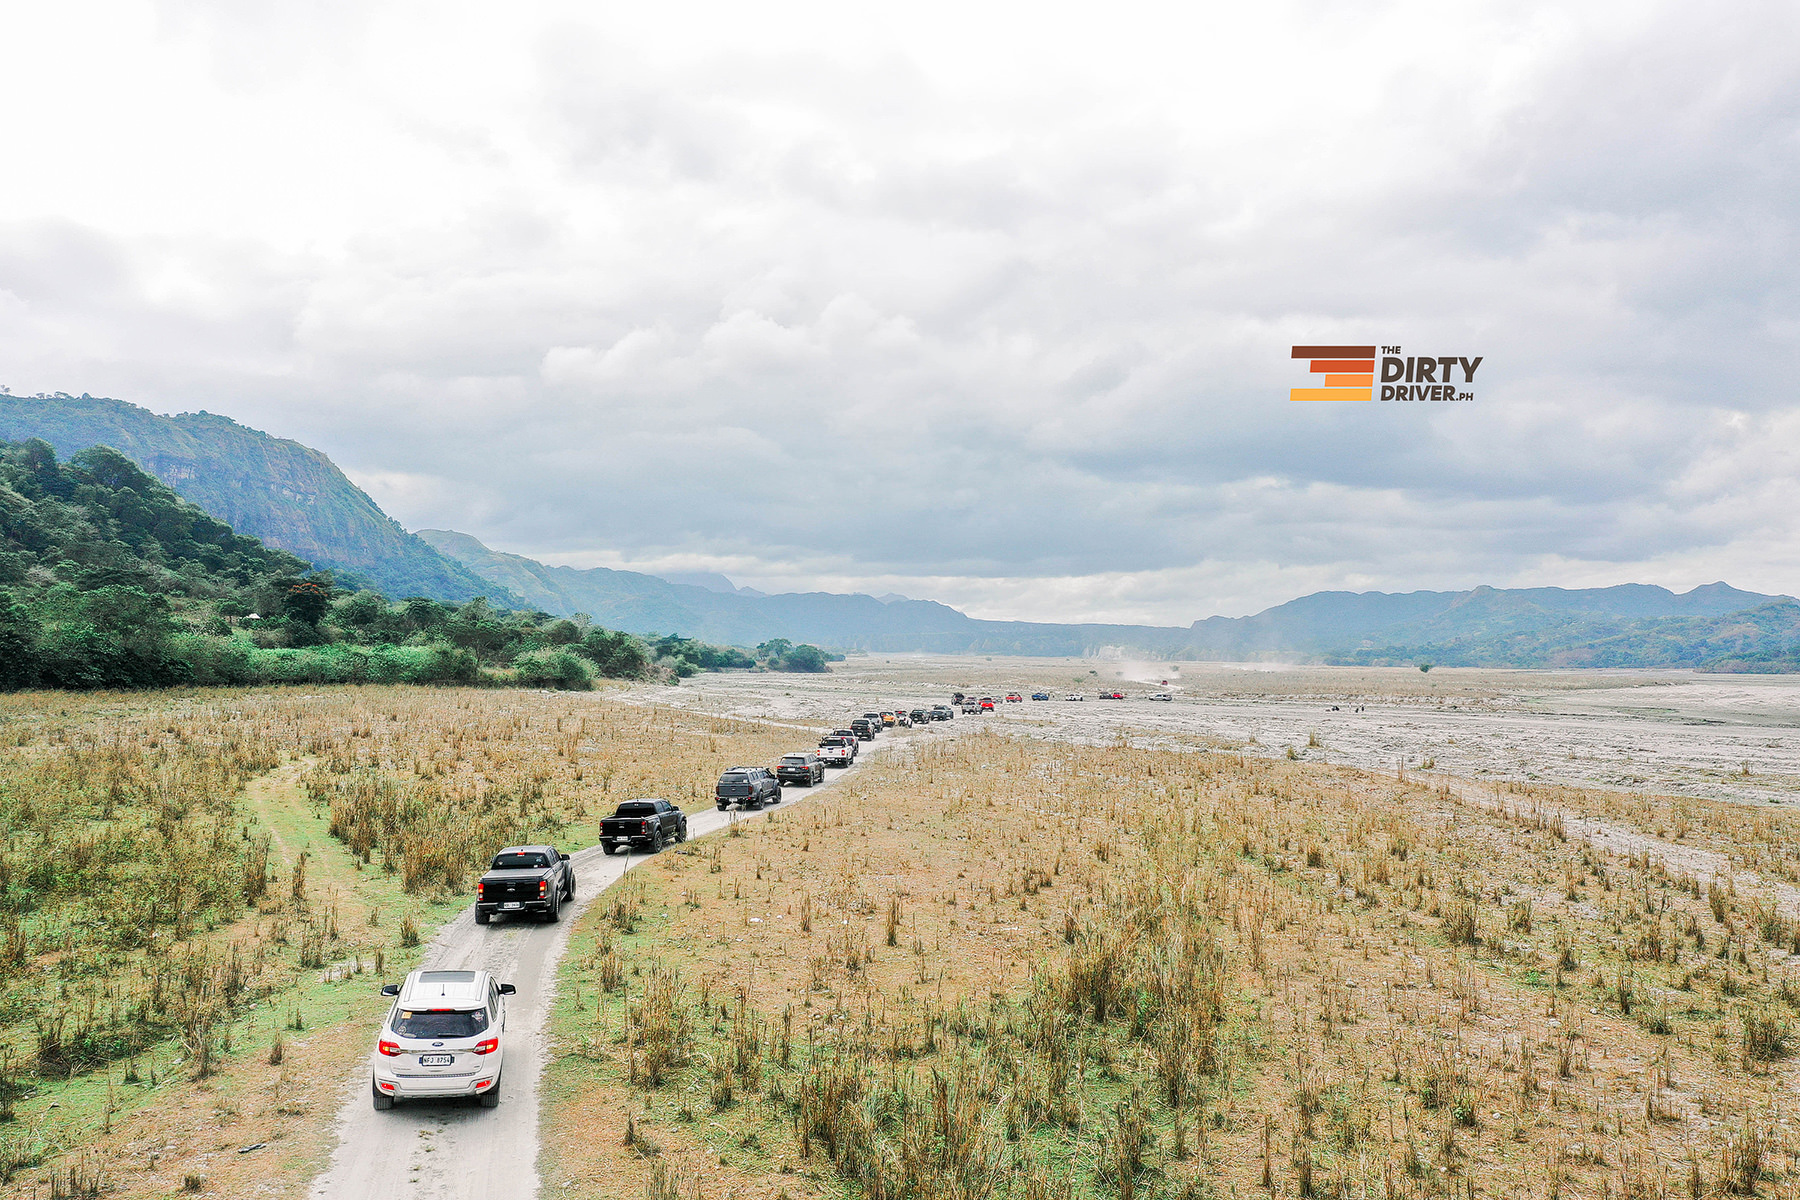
1334	352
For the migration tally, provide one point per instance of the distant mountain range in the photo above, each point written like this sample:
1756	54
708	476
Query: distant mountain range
295	498
743	617
1632	625
286	494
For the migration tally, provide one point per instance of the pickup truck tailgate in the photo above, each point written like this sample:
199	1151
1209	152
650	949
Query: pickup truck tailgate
495	891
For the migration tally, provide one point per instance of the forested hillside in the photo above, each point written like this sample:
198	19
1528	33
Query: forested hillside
108	579
289	495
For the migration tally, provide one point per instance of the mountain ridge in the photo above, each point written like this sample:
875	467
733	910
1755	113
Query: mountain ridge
1623	625
286	494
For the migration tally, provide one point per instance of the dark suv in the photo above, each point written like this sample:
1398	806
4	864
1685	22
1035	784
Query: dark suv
863	728
802	767
747	787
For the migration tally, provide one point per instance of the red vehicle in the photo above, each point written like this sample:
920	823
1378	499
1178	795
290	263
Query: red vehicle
987	704
1014	698
1112	695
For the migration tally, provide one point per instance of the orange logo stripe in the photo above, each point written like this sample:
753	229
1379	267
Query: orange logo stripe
1349	373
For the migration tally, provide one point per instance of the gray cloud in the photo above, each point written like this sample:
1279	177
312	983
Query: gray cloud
832	309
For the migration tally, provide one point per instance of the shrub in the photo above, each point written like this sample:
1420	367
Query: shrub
1767	1036
1459	921
554	668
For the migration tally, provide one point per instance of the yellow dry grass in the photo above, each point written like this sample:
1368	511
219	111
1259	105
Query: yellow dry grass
1006	966
189	879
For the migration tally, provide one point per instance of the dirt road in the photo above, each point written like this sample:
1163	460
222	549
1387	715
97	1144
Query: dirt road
447	1150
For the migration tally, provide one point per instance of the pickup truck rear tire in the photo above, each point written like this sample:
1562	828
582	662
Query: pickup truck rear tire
554	914
382	1103
482	918
570	894
681	831
656	841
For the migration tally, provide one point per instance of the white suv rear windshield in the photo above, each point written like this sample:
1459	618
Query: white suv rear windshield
466	1023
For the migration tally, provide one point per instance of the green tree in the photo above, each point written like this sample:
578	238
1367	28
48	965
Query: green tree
307	600
361	610
805	658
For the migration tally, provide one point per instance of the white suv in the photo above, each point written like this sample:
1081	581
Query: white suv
441	1038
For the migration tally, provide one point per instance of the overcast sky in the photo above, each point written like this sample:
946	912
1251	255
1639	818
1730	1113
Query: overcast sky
990	304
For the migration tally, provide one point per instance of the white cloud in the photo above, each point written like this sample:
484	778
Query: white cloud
985	303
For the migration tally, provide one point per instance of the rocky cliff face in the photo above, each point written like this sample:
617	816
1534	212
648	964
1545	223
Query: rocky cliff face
289	495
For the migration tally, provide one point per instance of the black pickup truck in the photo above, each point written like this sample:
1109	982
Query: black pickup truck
525	879
649	823
747	787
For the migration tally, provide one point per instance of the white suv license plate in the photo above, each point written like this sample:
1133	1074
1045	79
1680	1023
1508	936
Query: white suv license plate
510	906
436	1060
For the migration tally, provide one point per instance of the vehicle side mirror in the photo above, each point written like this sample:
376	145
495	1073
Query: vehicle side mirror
564	857
390	989
507	989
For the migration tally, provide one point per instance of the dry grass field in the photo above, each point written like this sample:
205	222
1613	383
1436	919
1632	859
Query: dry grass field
198	890
1006	966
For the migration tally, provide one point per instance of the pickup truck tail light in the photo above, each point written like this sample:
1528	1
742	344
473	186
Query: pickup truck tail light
391	1049
480	890
487	1045
645	824
543	888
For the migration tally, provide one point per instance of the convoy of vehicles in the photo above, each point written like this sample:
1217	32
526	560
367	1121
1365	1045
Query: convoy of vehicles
535	880
649	823
443	1037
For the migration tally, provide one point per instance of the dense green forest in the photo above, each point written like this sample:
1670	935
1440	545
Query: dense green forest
108	579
